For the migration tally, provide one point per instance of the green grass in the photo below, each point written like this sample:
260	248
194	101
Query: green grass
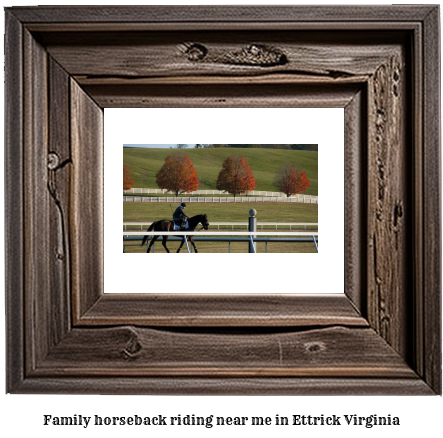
145	163
266	212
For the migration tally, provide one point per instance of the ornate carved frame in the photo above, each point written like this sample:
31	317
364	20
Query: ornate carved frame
64	65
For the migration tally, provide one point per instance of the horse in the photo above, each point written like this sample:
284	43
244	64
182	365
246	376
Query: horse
168	226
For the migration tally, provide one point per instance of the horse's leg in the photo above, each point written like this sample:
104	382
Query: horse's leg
186	239
180	247
193	244
154	238
165	238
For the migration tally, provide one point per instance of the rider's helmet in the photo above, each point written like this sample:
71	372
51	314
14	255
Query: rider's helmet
183	204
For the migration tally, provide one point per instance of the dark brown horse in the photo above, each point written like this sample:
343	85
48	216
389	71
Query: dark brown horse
168	226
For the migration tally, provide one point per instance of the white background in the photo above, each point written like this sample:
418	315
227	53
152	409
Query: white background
221	273
22	414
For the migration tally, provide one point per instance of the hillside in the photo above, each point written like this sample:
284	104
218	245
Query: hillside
266	212
145	163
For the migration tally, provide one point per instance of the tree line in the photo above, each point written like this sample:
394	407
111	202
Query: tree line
178	175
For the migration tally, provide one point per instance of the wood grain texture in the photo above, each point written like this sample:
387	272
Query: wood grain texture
187	310
388	203
227	14
432	334
355	186
169	54
59	164
14	239
226	96
86	200
129	351
227	386
37	306
418	230
74	61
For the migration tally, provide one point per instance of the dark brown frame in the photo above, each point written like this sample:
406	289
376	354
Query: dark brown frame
64	65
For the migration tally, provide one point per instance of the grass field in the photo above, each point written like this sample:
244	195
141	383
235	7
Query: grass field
145	163
277	212
266	212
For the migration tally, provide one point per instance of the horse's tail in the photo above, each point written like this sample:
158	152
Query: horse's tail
146	237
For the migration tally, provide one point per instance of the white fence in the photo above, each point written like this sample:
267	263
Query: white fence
237	224
249	236
305	199
202	192
224	233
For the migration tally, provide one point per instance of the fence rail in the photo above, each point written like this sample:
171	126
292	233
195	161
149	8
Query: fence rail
237	224
230	240
225	233
252	237
148	191
222	199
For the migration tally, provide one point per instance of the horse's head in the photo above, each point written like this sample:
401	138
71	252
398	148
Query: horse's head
205	222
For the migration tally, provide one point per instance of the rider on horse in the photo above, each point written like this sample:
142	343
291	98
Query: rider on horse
180	217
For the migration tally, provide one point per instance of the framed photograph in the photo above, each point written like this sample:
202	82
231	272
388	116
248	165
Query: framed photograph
209	190
287	226
378	331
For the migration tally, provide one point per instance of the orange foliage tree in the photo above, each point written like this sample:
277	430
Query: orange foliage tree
128	181
177	174
236	176
291	180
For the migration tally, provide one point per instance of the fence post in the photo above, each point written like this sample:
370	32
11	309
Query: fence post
315	243
252	228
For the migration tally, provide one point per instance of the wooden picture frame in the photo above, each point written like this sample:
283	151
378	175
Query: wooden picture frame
65	64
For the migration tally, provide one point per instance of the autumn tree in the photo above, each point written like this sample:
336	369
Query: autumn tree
178	174
236	176
128	181
291	180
